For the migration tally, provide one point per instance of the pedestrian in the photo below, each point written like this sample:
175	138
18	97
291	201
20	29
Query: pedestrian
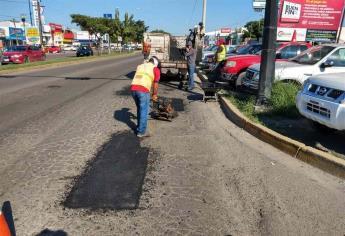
191	56
221	53
146	76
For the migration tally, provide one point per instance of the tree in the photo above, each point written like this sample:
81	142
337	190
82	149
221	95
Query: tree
254	29
159	31
129	29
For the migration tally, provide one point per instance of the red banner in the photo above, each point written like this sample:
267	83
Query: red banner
312	20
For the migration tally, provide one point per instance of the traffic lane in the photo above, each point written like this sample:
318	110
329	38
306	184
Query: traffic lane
38	92
11	82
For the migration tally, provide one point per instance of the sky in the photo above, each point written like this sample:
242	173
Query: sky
174	16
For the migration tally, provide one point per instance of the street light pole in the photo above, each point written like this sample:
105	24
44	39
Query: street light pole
30	12
204	5
40	21
268	55
23	18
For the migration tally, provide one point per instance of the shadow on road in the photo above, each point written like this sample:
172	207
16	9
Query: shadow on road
126	117
48	232
114	178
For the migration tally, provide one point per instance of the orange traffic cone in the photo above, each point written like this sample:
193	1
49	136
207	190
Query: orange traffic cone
4	230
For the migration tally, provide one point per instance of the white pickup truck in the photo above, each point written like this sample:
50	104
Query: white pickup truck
322	100
327	58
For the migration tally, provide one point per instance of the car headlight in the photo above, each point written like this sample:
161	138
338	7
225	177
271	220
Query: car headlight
256	77
230	64
306	84
16	56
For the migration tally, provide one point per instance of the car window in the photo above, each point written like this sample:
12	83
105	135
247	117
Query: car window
313	55
303	48
289	52
338	57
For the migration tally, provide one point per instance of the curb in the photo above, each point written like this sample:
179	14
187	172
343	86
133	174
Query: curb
63	63
322	160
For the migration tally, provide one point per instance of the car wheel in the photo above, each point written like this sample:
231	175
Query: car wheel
239	80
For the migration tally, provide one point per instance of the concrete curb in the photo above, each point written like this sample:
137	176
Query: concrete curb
63	63
324	161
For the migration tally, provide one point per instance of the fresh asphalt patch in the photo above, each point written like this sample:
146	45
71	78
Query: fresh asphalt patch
113	179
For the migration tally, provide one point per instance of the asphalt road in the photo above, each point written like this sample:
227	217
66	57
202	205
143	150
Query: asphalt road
70	164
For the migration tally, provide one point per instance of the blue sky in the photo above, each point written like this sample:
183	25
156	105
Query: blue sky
175	16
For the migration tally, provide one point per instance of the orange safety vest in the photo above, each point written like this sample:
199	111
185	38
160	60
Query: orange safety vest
144	76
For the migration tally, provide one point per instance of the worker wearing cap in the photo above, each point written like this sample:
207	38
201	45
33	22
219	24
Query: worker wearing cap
191	56
147	76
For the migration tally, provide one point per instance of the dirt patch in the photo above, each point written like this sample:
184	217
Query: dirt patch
114	178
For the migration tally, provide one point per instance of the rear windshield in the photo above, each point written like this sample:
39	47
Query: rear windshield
15	49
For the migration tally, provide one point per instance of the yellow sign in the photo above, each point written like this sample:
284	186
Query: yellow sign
32	33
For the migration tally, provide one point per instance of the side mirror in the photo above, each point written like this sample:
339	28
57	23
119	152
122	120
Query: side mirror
278	55
327	64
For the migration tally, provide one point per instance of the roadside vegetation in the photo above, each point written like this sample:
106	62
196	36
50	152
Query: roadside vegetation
281	104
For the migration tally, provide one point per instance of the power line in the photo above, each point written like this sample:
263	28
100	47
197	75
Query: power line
13	1
192	16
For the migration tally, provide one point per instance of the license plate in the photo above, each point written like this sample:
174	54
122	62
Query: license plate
6	59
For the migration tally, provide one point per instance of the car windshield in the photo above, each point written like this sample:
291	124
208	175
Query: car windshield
247	49
15	49
313	55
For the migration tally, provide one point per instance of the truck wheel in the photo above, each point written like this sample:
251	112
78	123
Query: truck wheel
239	80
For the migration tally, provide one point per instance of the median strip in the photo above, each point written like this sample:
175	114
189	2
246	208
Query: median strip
322	160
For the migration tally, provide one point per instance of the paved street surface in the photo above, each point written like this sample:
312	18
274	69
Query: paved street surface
70	164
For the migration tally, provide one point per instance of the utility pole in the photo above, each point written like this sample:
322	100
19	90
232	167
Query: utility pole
204	5
341	25
268	55
30	12
15	31
40	21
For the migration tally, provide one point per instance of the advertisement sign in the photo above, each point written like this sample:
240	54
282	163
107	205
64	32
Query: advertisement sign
16	33
225	30
2	33
32	35
310	20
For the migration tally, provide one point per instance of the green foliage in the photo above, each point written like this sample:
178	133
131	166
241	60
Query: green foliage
282	102
159	31
129	29
283	99
255	29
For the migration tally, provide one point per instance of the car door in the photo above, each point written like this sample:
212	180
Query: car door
336	60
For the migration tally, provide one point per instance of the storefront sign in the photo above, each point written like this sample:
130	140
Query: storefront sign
2	33
225	30
311	20
16	33
32	35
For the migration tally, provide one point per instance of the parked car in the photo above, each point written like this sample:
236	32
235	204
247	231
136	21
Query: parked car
322	100
84	50
53	49
235	68
22	54
70	48
326	58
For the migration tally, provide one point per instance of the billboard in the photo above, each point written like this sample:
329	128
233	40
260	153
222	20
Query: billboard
16	33
309	20
32	35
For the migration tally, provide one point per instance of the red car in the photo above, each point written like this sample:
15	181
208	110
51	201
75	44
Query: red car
235	68
22	54
53	49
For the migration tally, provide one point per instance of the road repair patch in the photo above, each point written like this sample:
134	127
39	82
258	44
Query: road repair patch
114	178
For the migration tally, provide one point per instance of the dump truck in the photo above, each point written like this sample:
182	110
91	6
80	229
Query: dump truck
169	50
